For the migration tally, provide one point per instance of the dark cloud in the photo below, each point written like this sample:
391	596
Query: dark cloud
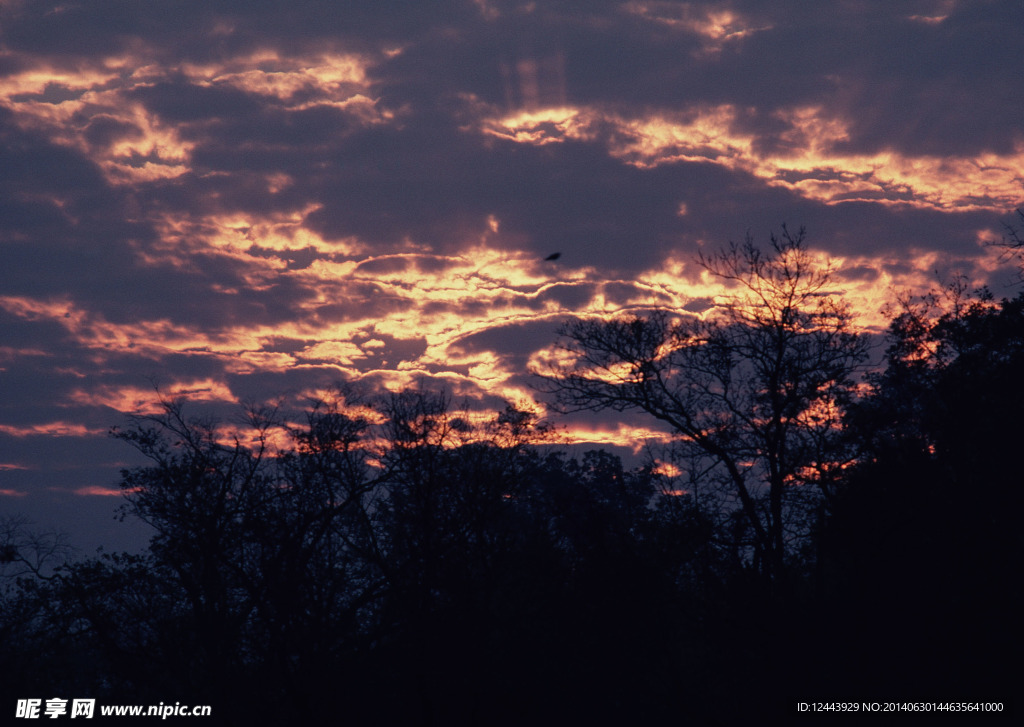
513	342
699	305
181	102
566	296
294	259
859	272
357	301
104	130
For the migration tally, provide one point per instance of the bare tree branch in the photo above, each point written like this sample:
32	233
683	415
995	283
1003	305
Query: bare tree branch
757	386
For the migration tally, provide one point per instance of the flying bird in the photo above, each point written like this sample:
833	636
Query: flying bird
553	256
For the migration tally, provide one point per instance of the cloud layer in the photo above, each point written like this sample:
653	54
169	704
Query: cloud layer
240	200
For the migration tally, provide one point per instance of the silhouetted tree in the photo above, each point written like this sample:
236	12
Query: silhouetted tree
33	646
754	389
1013	244
263	551
924	539
430	564
24	551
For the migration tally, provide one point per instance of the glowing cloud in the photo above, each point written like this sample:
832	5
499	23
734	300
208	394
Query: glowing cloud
50	429
98	491
269	74
813	164
626	437
146	401
714	24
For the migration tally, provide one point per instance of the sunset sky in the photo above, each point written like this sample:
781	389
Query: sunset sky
249	200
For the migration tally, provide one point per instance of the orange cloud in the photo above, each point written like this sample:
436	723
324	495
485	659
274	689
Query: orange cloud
146	401
812	165
51	429
667	469
36	80
438	300
711	22
148	148
98	491
627	437
267	73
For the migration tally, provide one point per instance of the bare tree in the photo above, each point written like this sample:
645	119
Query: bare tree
1013	243
25	552
755	387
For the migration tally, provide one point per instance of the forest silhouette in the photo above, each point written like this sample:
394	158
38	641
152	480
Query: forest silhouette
827	532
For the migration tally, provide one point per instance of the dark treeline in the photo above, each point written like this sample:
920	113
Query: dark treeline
825	536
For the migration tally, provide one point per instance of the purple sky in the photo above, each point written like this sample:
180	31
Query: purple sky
254	200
